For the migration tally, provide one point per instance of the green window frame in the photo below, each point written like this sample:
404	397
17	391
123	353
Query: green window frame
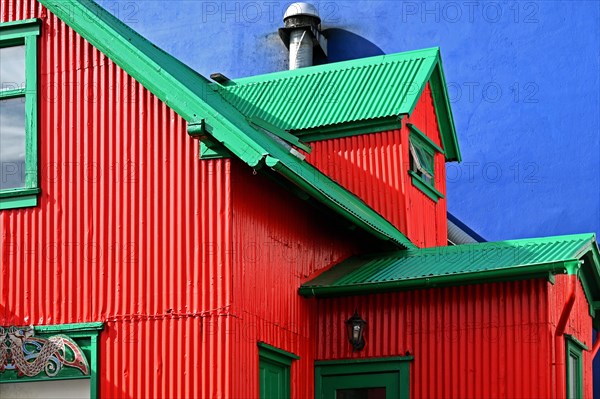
574	366
280	361
24	33
85	335
422	162
391	372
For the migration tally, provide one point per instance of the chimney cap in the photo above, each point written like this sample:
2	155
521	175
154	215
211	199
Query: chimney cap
301	9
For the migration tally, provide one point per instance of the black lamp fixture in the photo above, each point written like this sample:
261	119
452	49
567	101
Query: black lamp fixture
355	327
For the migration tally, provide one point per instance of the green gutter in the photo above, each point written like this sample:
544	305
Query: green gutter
520	273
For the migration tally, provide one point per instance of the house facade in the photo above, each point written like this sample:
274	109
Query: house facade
163	235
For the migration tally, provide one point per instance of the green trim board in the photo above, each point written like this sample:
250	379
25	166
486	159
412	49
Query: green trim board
337	98
193	97
350	129
276	354
443	111
461	265
349	205
392	373
574	367
84	335
416	132
24	33
426	188
282	134
210	150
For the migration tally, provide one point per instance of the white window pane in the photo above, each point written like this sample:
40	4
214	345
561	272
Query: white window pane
67	389
12	143
12	68
572	377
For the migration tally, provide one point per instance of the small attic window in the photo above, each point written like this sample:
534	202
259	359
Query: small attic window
422	162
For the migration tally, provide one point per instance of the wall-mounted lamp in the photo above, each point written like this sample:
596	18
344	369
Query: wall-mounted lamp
355	327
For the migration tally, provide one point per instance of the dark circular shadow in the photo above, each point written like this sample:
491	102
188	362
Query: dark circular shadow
343	45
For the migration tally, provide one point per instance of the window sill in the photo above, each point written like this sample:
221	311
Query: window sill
429	191
18	198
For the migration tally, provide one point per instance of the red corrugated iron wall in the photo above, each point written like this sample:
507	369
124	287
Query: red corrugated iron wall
131	228
480	341
279	242
579	326
375	168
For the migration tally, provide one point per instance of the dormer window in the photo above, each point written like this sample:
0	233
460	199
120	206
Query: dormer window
422	162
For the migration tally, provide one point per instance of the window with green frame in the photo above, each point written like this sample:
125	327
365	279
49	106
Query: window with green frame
422	162
574	361
18	114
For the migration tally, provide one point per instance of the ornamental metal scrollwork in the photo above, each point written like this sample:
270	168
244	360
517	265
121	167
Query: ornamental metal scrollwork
20	350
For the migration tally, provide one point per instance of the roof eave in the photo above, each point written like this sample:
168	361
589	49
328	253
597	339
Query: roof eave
325	190
505	274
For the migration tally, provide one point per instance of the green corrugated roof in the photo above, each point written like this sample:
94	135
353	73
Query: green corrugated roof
461	264
192	97
337	95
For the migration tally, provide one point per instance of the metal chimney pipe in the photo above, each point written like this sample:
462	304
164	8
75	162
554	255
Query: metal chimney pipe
301	33
301	49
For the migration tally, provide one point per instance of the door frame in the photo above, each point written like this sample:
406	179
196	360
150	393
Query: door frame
399	365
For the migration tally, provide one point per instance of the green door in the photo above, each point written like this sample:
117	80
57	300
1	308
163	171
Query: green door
382	378
274	380
274	371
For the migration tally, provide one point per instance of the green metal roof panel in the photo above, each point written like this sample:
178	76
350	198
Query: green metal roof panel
337	94
459	264
330	94
193	98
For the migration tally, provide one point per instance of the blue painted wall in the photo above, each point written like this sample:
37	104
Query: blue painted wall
524	78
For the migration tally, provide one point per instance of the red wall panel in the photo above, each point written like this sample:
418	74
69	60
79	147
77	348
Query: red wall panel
480	341
579	325
375	168
279	242
131	228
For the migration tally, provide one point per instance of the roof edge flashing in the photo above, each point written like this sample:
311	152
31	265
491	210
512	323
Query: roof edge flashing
527	272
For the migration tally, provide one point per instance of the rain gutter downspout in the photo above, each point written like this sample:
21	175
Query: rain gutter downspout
559	349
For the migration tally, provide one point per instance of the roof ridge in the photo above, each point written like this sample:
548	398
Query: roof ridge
591	237
334	66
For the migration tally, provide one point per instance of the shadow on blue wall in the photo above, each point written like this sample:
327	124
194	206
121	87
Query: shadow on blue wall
343	45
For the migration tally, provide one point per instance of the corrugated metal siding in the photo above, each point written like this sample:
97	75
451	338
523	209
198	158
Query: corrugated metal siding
579	325
131	228
279	242
479	341
326	95
370	166
375	168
